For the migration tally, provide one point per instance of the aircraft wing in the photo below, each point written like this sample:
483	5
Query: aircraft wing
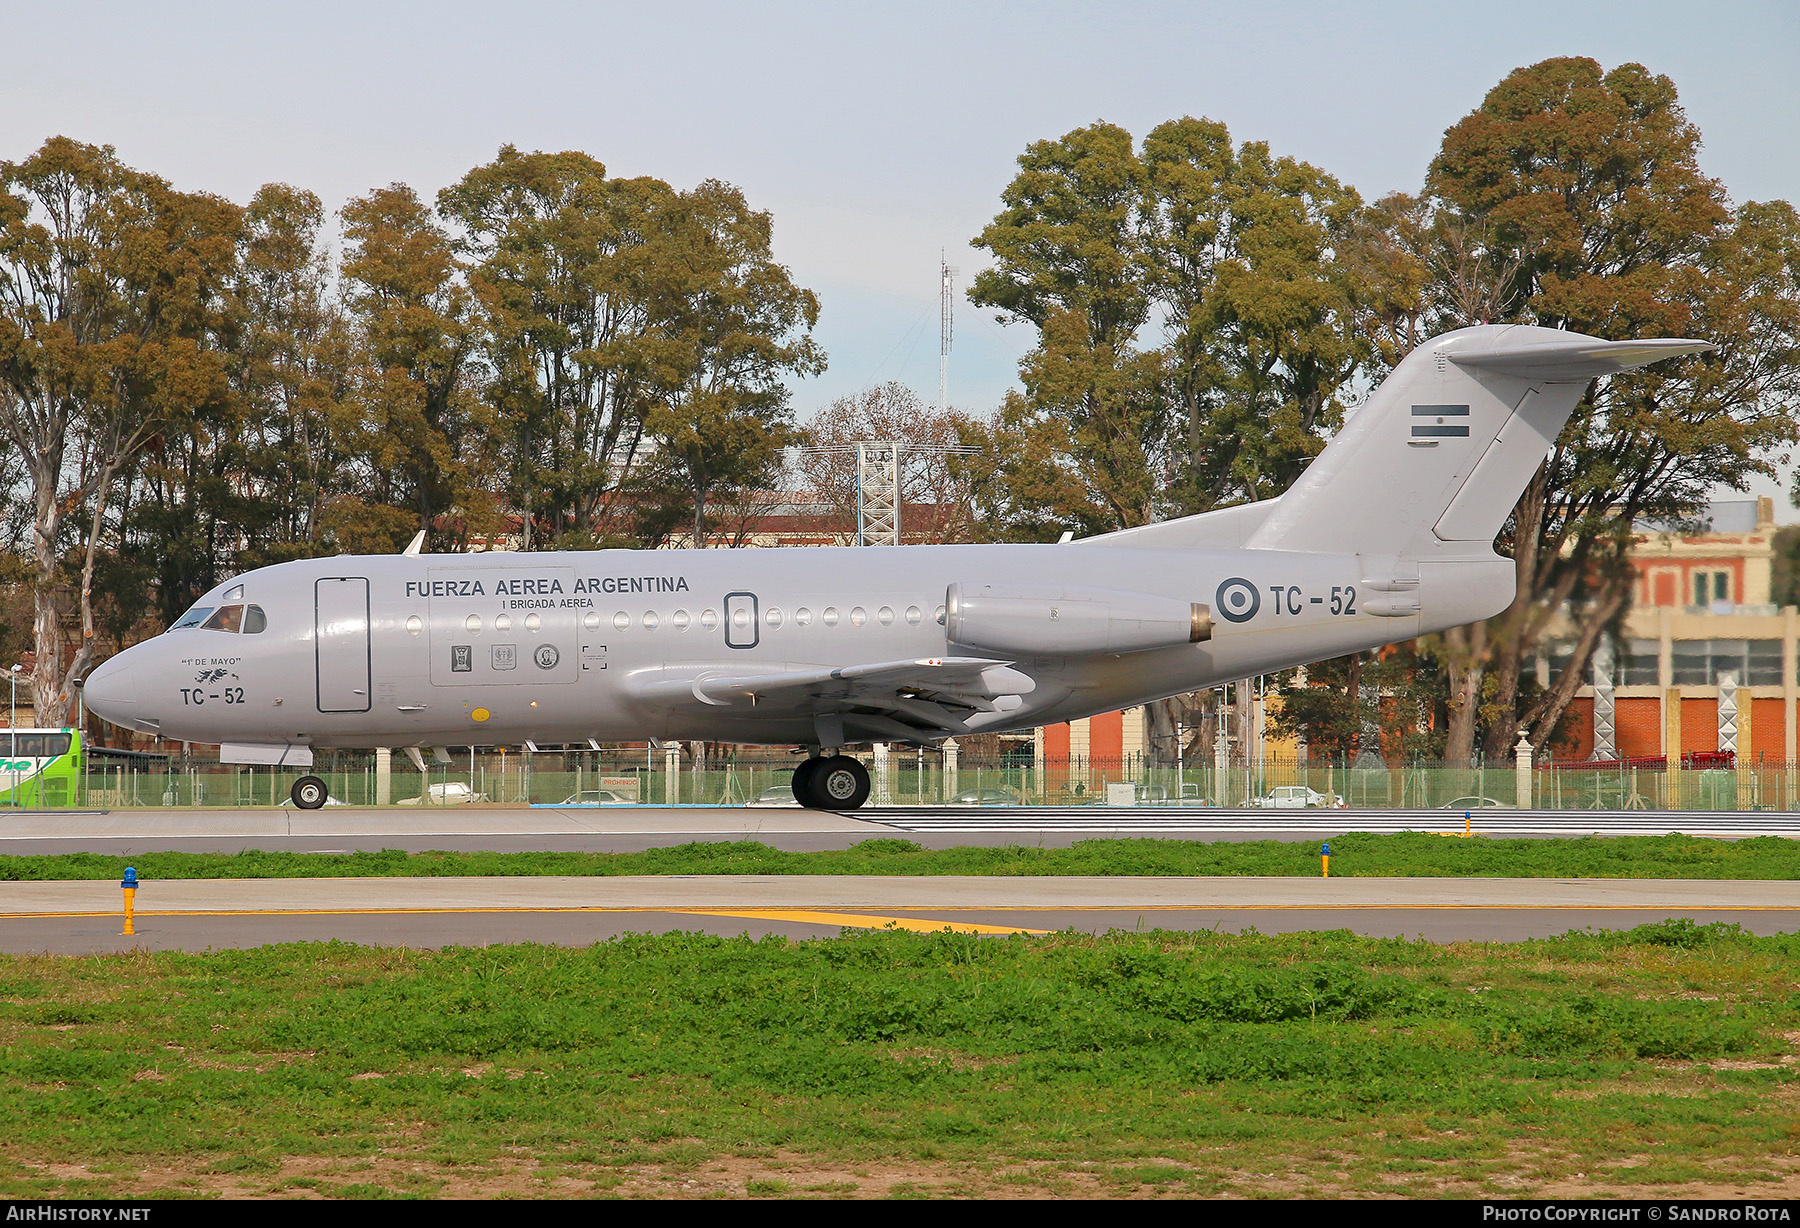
923	699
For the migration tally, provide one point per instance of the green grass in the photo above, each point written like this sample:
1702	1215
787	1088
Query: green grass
1352	856
1148	1064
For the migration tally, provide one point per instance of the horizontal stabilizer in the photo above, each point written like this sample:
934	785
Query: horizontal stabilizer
1578	359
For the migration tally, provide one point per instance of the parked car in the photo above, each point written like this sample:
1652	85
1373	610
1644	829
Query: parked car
597	797
451	793
1295	797
1169	795
776	795
1474	803
984	797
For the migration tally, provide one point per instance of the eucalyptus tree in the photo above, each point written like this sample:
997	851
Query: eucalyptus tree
1593	214
244	481
727	325
1196	319
414	448
290	365
1246	258
1082	446
559	268
112	289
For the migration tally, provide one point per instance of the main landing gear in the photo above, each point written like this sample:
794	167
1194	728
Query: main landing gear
308	793
835	783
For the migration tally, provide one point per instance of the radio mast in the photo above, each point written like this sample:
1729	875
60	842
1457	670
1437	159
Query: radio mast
946	328
881	464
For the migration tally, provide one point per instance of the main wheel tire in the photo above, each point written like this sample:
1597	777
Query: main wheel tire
309	793
804	775
841	783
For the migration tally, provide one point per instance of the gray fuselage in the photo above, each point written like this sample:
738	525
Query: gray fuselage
499	648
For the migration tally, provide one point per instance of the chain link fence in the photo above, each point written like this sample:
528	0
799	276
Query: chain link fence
931	777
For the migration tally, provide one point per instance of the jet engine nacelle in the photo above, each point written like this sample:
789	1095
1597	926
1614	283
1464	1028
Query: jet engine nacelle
1069	620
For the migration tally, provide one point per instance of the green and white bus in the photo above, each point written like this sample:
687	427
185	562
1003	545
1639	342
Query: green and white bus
39	768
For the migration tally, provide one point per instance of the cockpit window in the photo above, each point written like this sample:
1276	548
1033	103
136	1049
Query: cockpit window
226	618
193	618
255	620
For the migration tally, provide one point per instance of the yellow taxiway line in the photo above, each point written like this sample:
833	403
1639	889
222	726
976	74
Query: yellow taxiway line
859	919
920	925
852	920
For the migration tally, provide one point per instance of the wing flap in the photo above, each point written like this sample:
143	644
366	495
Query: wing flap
929	697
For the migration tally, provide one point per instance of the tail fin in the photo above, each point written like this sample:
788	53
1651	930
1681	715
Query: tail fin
1444	447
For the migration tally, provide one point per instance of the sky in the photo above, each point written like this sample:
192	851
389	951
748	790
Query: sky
877	135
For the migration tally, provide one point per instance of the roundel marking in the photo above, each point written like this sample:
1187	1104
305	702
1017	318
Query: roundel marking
546	656
1238	601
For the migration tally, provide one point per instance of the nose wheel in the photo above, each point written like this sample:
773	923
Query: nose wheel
309	793
837	783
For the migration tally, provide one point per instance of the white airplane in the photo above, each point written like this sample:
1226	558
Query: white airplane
1388	535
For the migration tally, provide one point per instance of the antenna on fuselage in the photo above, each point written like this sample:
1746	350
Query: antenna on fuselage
416	545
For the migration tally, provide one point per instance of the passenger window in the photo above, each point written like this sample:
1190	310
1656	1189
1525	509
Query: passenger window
255	621
229	618
858	616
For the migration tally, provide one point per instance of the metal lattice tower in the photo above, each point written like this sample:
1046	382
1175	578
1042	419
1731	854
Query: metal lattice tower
946	327
1605	736
878	493
1728	712
880	473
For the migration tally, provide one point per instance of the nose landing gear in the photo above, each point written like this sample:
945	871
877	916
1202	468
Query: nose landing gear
837	783
309	793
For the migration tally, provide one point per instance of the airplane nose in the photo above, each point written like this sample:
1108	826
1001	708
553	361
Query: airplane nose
111	692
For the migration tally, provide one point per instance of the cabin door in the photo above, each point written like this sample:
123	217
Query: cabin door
341	643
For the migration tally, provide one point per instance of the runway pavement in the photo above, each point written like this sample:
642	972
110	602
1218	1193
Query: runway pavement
66	917
84	917
633	828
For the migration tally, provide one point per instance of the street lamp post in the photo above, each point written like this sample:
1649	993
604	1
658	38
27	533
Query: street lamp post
1180	768
12	728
